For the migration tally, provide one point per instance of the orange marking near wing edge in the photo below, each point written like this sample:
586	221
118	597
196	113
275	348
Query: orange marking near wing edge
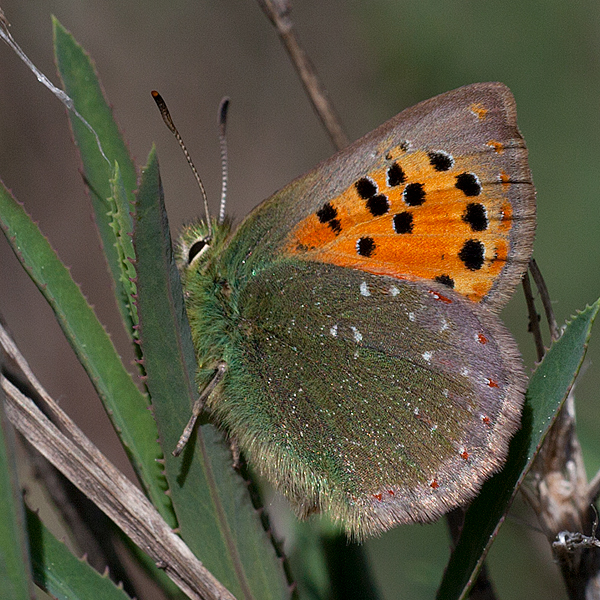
441	298
497	146
479	110
506	216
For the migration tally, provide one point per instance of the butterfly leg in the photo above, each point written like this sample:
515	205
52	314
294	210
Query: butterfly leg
198	406
235	453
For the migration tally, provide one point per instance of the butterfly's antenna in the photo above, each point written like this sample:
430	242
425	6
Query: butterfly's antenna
223	107
166	115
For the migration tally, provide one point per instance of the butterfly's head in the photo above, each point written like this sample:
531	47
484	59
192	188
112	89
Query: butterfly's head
198	246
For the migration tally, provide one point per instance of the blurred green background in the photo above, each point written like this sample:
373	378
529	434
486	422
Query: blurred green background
376	58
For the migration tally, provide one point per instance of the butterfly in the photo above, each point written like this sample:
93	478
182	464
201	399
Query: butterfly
347	332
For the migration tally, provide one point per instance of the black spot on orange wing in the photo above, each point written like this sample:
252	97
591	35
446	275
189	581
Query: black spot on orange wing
395	175
403	222
472	254
475	216
468	183
365	246
414	194
445	280
440	160
366	188
378	205
328	214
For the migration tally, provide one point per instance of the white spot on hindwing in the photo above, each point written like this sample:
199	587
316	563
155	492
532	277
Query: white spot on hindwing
427	356
357	334
394	291
333	330
364	289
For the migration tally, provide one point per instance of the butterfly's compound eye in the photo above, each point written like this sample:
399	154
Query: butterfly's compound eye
198	248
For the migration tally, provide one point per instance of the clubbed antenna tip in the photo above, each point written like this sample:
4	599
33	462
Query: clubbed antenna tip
166	115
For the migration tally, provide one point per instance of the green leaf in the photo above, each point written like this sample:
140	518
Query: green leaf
326	565
15	575
158	576
548	389
81	83
215	515
122	226
61	574
126	406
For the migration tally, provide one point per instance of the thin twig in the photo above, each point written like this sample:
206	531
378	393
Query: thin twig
7	37
278	12
534	320
545	297
116	496
87	468
59	416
